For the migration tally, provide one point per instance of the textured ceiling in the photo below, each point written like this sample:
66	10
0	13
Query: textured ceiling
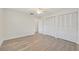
48	11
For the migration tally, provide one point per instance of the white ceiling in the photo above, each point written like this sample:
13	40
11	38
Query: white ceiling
48	12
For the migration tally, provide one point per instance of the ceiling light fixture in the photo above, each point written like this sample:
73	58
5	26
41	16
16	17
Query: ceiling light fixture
40	10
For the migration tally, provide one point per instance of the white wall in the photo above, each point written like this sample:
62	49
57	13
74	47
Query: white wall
78	26
19	24
61	26
1	37
2	26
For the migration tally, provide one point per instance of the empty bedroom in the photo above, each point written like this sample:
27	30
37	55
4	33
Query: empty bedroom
39	29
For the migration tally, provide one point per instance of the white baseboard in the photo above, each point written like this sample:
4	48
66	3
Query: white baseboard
76	41
18	36
8	38
1	41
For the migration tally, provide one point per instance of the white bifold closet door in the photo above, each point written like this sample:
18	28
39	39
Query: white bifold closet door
62	26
